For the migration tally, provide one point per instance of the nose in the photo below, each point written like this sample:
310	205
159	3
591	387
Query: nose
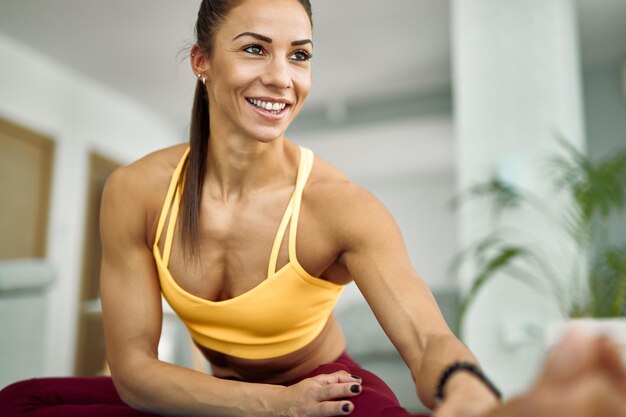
276	73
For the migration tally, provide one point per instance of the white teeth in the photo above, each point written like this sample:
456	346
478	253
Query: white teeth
269	106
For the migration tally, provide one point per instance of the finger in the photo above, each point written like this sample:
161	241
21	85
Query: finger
336	391
609	357
574	355
597	396
337	377
334	408
610	362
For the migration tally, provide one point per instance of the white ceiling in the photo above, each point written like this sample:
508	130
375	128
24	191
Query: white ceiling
389	47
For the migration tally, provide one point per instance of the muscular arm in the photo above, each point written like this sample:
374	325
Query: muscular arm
375	255
131	303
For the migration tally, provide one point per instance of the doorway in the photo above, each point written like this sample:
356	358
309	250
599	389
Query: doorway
25	180
90	358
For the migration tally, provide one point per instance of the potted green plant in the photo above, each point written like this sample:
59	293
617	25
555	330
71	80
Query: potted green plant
596	191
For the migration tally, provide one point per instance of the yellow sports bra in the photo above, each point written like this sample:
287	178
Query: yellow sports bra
282	314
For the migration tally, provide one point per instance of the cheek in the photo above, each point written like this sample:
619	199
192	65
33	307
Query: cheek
236	76
242	75
302	82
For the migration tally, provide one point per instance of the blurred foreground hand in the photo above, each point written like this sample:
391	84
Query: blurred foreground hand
584	377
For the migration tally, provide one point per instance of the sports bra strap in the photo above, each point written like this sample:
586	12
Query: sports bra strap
293	228
271	269
168	198
169	237
290	216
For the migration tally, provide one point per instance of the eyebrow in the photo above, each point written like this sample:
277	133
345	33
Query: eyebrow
269	40
302	42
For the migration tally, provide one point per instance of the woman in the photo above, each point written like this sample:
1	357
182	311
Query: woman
248	197
252	61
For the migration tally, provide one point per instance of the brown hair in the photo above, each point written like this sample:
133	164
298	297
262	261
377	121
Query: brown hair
211	15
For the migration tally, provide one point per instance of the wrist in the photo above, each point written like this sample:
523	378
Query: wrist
273	401
466	380
463	385
258	400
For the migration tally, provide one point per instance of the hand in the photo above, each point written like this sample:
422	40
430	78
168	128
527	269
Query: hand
585	377
321	396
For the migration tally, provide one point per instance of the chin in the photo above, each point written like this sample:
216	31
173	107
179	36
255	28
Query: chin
267	138
267	135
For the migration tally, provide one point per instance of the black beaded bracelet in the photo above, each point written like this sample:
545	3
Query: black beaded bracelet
464	366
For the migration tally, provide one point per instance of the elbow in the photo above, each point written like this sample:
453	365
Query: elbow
129	388
124	388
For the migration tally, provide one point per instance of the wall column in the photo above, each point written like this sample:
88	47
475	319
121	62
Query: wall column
516	88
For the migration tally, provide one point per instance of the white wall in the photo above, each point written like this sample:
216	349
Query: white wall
80	115
409	166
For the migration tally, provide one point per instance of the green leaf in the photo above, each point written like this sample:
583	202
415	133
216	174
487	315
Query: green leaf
616	263
608	283
597	192
597	188
502	195
500	261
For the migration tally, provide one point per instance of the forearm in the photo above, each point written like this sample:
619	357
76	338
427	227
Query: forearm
166	389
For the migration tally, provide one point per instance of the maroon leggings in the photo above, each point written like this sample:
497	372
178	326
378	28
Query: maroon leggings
96	396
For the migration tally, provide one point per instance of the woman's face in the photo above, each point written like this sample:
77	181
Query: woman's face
259	72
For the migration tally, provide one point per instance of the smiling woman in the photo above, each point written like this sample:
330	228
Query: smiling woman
251	201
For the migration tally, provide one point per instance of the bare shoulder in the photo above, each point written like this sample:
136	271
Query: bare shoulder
351	217
137	190
326	183
336	199
140	176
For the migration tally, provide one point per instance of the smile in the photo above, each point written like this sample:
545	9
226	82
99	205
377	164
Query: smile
273	107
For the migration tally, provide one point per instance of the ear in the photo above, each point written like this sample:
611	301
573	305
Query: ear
199	62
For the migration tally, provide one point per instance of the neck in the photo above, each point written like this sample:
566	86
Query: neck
237	166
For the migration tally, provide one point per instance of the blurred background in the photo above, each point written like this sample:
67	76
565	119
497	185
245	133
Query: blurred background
413	99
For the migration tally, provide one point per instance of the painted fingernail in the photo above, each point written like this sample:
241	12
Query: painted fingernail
355	376
345	408
355	388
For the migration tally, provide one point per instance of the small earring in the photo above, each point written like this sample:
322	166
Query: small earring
204	80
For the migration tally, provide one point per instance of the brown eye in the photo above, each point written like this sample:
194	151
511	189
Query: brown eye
301	56
254	50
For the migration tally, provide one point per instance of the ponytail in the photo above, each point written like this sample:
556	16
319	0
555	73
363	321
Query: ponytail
194	170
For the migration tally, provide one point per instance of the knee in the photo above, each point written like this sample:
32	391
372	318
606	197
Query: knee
19	388
19	394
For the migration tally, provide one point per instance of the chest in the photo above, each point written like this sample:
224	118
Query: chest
235	244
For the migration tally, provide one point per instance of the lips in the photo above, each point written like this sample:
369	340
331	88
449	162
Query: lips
267	106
